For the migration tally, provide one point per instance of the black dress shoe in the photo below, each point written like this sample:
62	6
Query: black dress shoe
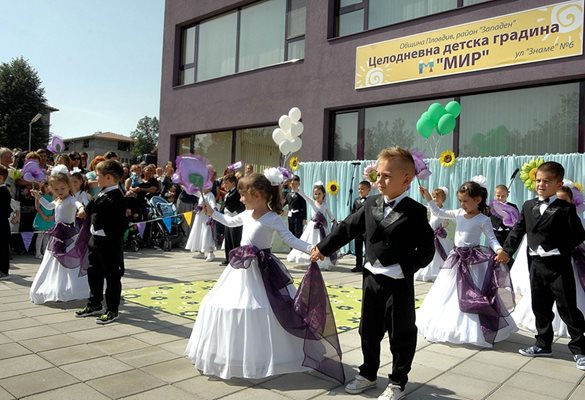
357	269
223	263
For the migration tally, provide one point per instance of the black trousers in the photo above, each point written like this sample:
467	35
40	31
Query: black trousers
388	306
552	279
105	264
295	225
5	246
359	251
502	236
233	237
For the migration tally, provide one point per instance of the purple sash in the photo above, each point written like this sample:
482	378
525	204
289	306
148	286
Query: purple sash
579	263
68	244
494	300
321	224
440	232
198	209
308	316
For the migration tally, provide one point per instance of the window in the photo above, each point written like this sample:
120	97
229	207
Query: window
255	146
85	143
184	145
345	140
262	34
216	147
123	146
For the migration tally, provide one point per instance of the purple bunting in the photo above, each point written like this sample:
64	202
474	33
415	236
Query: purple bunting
26	239
141	226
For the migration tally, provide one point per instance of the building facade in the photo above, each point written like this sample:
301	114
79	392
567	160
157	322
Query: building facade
100	143
232	68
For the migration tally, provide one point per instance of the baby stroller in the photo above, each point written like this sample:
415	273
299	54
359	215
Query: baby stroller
164	235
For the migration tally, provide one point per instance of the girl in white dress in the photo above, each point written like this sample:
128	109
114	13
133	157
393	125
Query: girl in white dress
442	243
316	228
201	236
523	314
470	299
60	277
251	324
78	187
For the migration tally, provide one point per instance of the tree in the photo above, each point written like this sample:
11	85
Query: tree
21	98
145	136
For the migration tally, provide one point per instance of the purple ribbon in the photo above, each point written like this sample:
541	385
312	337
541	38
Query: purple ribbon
440	232
198	209
68	244
487	302
579	262
321	224
308	316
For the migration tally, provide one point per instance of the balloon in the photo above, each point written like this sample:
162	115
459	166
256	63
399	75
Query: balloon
436	111
278	136
296	129
296	145
285	147
424	127
284	122
453	108
446	124
294	114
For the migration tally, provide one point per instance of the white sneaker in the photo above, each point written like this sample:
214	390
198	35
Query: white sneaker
359	384
210	257
580	361
392	392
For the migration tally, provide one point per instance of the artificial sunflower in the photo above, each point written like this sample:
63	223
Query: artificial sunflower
293	163
447	158
578	186
528	173
333	188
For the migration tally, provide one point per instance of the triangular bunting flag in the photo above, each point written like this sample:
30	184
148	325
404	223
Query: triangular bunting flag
141	226
167	221
189	217
26	238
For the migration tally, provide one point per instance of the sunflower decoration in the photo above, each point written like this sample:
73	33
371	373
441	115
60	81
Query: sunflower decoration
333	188
528	173
294	163
447	158
578	186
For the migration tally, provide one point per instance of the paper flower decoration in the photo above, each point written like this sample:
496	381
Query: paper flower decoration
192	173
420	165
447	158
577	190
274	175
480	180
528	173
370	173
59	169
286	174
56	145
333	188
293	163
33	172
508	214
15	174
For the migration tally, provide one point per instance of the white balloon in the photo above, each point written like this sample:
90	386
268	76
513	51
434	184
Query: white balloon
284	147
278	136
284	123
296	129
294	114
296	145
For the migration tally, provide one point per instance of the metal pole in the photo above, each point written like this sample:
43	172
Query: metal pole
29	135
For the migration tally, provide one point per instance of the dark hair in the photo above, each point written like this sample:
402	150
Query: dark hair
473	189
259	183
503	187
74	156
321	188
554	168
366	184
81	177
295	178
567	190
3	171
110	154
110	167
231	178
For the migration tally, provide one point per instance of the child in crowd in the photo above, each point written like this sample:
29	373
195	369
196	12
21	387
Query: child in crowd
364	188
247	325
60	276
91	176
442	243
316	229
5	211
107	211
297	207
78	188
464	304
44	220
232	206
553	230
201	236
500	229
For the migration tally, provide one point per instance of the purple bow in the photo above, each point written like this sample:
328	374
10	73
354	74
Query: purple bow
68	244
507	213
579	262
440	232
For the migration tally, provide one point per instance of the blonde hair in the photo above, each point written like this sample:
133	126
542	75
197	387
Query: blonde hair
401	157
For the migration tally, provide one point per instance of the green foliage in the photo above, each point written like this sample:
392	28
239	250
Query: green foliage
21	98
145	136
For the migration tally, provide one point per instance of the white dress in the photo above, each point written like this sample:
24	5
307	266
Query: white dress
53	281
312	234
236	333
439	319
430	272
201	235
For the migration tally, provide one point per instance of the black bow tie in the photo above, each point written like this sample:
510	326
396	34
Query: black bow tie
389	203
540	202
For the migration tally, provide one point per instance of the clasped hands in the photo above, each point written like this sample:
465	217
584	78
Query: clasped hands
502	257
316	255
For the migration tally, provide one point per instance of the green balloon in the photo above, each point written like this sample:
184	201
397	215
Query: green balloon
424	127
436	111
453	108
446	124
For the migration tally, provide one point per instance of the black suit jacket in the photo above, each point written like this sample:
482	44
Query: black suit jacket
296	203
5	209
558	228
232	202
108	212
404	237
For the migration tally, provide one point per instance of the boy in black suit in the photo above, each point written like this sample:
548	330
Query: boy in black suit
297	208
399	241
363	190
108	223
231	206
554	230
500	230
5	211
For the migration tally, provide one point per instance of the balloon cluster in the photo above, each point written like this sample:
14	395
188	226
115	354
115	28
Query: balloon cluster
443	119
286	136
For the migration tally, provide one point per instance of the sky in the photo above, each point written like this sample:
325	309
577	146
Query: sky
99	60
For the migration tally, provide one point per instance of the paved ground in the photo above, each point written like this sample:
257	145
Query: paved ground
45	353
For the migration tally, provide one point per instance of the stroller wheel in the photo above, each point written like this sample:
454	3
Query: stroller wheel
134	246
168	244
